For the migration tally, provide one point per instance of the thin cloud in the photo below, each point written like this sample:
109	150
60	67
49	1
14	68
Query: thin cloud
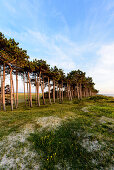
104	69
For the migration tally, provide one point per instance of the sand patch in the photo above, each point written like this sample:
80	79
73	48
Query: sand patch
15	150
85	109
91	145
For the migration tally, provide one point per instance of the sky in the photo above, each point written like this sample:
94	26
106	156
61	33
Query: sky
71	34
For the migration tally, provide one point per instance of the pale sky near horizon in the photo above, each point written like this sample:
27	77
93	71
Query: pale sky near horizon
72	34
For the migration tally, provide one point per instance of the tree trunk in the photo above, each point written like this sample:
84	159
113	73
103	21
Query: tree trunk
62	90
49	90
78	91
43	92
24	88
70	93
90	93
86	92
75	91
54	91
38	85
3	88
11	94
30	90
57	91
42	88
67	94
16	89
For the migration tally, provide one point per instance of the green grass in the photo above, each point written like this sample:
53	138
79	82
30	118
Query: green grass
64	147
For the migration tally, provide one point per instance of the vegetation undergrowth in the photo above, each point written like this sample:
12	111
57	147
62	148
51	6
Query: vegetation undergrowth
84	140
80	143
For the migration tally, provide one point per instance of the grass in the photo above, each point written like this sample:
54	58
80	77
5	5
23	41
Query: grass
64	148
83	141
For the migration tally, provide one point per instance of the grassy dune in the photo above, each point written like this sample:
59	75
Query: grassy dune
74	134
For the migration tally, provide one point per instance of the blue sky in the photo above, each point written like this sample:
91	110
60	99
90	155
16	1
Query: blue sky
72	34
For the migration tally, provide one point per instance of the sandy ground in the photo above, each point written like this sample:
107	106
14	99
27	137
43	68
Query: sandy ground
15	150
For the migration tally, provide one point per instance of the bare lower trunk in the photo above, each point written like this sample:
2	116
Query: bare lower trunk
42	88
3	89
54	91
16	89
30	90
72	95
90	93
43	92
69	93
49	90
38	85
78	91
62	91
86	92
57	91
75	93
11	94
24	88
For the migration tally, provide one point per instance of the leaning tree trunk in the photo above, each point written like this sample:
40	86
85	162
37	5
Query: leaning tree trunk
11	94
49	90
16	89
54	91
30	90
3	88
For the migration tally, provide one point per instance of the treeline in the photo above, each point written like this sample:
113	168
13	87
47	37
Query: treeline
15	61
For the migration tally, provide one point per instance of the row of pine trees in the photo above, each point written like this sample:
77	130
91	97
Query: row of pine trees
15	62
